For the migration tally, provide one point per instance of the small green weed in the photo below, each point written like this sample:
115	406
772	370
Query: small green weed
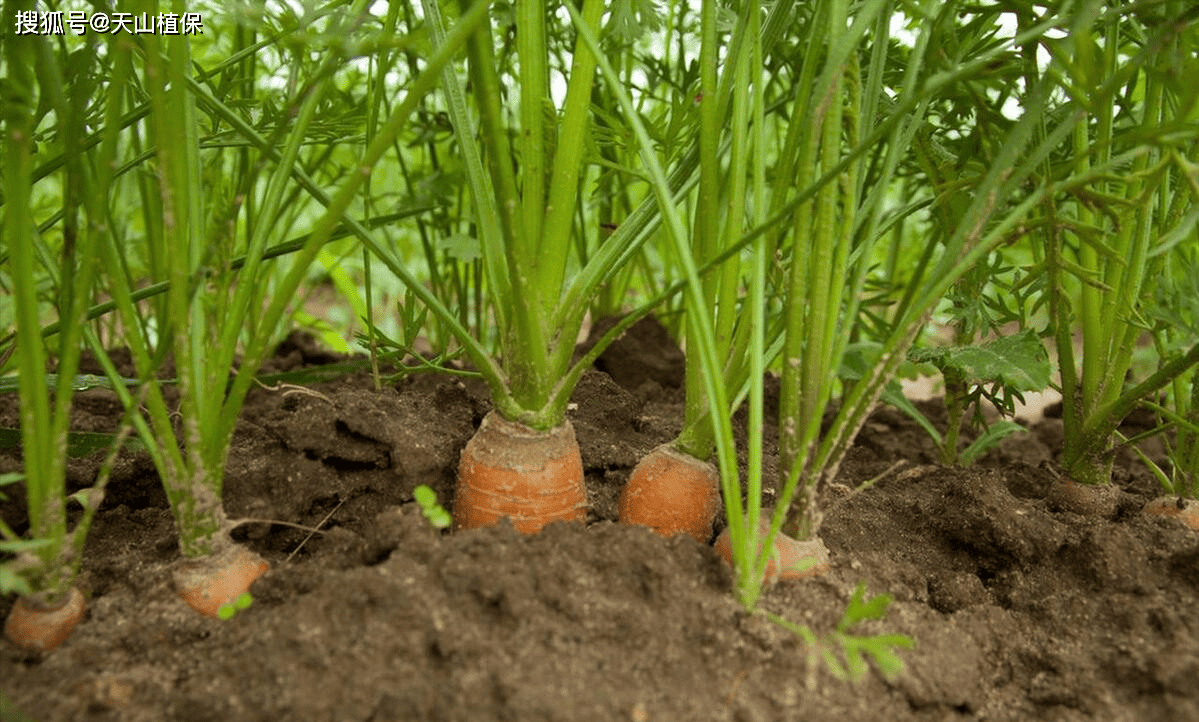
229	611
854	649
429	508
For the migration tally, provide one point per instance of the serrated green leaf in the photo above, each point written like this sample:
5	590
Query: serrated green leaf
861	609
462	247
888	663
629	19
1018	362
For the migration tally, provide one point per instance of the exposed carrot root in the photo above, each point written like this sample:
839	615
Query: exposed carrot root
1184	510
208	584
792	559
531	477
39	627
672	493
1095	500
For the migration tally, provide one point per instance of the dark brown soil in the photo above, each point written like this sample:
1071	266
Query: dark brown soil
1019	611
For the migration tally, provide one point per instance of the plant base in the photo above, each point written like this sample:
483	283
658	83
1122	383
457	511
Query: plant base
1184	510
531	477
40	628
792	558
1095	500
672	493
208	584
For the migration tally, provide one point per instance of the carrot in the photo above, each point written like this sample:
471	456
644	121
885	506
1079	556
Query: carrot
672	493
528	476
1184	510
1098	500
792	559
40	627
209	583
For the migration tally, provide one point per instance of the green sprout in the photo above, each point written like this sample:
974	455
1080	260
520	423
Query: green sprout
429	508
230	610
856	649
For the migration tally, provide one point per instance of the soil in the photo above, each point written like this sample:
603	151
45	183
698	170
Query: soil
1019	610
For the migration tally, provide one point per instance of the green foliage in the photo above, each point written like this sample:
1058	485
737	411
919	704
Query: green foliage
857	648
1123	200
998	371
1011	364
631	19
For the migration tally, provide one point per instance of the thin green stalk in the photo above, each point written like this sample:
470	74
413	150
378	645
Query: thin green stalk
749	583
534	92
341	201
44	423
44	468
526	341
699	322
1112	268
568	161
696	438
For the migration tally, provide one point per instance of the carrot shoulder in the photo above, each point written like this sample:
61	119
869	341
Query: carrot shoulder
39	627
672	493
210	583
789	560
531	477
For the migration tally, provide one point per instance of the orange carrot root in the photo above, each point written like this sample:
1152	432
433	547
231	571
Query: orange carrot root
1187	512
792	558
40	628
531	477
1084	499
208	584
672	493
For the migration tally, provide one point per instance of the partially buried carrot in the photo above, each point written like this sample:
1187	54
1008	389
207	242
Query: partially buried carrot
672	493
1093	500
791	558
40	627
213	582
509	470
1184	510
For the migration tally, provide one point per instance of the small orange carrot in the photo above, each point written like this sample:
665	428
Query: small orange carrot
792	558
1184	510
209	583
40	627
510	470
672	493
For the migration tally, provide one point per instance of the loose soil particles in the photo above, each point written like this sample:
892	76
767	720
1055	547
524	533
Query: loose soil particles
1019	611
